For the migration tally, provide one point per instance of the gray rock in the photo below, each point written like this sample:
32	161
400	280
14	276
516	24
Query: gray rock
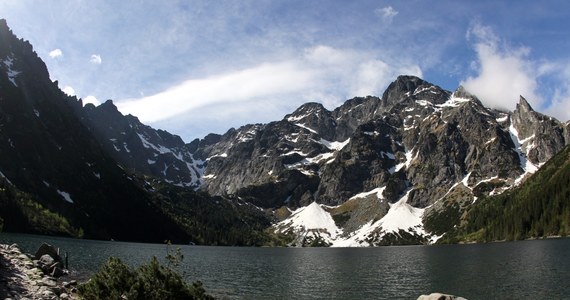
438	296
417	138
49	250
57	271
46	262
48	281
544	136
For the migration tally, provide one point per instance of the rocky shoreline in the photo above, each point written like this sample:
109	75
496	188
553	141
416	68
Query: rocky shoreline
21	277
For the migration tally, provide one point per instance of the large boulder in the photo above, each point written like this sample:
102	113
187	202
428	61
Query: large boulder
49	260
438	296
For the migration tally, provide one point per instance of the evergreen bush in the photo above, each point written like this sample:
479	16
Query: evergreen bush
116	280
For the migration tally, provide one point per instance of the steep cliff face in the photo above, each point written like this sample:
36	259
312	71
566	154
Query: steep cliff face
416	135
141	148
540	136
417	154
48	154
418	147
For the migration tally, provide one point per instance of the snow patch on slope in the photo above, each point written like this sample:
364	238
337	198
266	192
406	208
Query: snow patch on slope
8	62
305	127
65	196
310	218
526	165
402	216
6	178
454	102
378	191
409	158
337	146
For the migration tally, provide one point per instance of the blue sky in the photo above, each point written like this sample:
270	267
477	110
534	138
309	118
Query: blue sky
195	67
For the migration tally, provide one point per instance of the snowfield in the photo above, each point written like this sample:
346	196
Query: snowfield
314	218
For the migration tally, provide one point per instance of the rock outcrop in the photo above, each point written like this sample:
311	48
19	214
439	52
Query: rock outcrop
439	296
23	279
141	148
48	153
418	141
420	151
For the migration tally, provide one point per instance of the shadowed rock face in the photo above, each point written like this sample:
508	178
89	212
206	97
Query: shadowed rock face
139	147
49	154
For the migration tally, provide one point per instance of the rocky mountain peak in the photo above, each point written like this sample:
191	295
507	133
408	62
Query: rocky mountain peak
403	86
461	92
523	105
307	108
106	108
539	136
49	154
18	58
315	118
140	147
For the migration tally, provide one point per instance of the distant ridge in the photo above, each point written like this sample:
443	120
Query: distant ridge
409	167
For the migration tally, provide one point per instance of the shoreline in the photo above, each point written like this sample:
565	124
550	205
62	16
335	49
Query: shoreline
20	278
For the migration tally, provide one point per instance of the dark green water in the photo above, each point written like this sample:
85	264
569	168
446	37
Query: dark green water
513	270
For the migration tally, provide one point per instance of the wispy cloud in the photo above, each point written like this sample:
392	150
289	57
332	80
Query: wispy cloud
386	13
258	81
321	73
560	105
182	53
95	59
55	53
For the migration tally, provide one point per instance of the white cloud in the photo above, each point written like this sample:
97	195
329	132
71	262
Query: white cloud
323	74
349	73
386	13
560	105
92	100
260	81
55	53
69	90
95	59
503	73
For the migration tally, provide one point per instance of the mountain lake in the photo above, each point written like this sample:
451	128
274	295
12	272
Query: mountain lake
538	269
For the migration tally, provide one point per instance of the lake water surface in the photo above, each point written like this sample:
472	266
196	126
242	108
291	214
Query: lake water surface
512	270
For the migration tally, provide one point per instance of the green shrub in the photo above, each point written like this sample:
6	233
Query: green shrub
117	280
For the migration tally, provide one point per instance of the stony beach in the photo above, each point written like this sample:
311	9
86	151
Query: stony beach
21	278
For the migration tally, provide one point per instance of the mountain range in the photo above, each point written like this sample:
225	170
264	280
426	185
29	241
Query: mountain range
409	167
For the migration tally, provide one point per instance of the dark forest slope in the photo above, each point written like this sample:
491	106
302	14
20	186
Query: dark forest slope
540	207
